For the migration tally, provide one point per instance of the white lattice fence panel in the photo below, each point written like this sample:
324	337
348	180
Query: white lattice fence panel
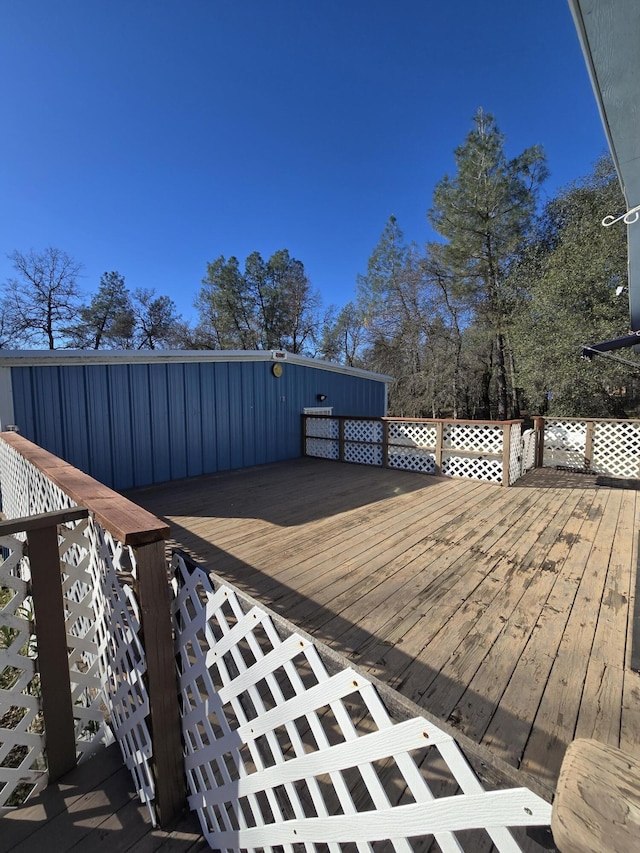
322	448
515	454
616	448
87	682
279	753
364	454
528	450
363	431
22	760
322	427
480	438
473	467
321	437
564	443
363	441
121	656
412	459
413	434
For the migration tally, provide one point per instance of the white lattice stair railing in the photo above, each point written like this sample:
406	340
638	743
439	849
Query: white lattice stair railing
515	453
280	753
106	659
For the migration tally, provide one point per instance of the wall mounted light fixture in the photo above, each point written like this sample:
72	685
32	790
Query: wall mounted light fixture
321	397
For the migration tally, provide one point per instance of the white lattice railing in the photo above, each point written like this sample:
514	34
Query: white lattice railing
22	764
480	450
105	657
610	447
279	752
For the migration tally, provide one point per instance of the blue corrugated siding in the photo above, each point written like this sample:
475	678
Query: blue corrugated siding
136	424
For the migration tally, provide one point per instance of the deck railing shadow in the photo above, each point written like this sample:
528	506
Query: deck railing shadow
307	477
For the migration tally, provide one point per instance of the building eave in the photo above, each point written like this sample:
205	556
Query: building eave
29	358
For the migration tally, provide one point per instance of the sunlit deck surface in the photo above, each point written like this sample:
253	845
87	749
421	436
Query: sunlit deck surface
506	612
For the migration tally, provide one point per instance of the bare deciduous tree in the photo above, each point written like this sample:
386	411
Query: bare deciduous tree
44	299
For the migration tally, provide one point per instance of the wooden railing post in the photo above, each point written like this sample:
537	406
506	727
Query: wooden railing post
539	428
53	662
439	443
341	438
588	445
385	443
506	453
155	617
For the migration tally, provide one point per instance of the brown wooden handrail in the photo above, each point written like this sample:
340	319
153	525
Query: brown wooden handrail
127	522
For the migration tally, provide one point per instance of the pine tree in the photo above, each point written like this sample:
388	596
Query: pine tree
485	213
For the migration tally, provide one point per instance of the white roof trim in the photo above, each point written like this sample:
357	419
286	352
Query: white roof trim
40	358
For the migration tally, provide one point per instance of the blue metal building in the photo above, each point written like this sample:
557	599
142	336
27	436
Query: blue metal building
135	418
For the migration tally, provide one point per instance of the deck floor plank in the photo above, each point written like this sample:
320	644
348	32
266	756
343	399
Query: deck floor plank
94	808
557	715
497	667
507	611
510	725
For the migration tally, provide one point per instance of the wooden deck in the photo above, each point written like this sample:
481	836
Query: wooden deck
507	612
94	808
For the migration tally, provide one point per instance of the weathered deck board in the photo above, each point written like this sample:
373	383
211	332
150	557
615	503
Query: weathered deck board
94	808
557	715
506	611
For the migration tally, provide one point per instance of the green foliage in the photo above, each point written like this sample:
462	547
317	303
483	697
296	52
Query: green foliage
42	307
496	315
157	325
107	321
342	335
568	281
268	306
485	213
115	318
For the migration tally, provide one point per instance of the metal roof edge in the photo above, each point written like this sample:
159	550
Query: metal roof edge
33	358
583	37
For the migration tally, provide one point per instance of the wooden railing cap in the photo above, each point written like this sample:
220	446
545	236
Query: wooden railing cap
125	520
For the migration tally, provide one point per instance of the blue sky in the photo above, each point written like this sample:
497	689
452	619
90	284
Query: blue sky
152	136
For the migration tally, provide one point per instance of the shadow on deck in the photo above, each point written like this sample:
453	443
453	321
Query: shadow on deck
94	808
506	613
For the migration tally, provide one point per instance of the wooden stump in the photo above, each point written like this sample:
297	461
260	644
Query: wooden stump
597	804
